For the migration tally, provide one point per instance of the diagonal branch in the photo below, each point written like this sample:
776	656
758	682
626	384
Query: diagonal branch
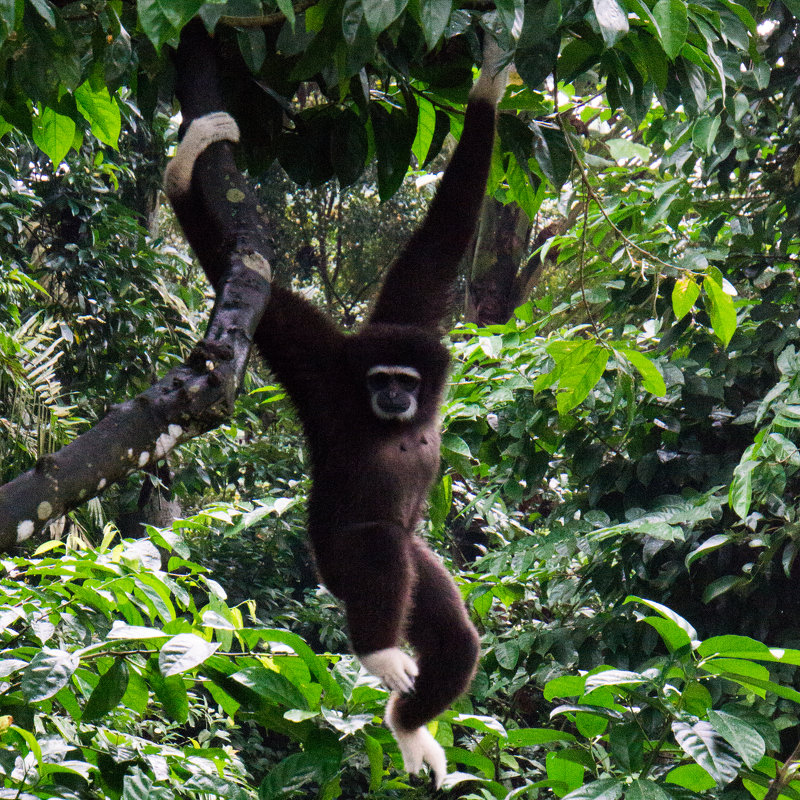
198	395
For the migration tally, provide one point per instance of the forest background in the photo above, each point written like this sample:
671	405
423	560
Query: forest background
618	496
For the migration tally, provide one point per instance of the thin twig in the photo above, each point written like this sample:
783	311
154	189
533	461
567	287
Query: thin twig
785	775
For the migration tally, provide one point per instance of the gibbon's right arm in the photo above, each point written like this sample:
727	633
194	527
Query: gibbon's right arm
297	340
417	288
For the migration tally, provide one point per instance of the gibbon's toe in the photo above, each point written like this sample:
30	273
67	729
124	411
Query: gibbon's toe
394	667
418	747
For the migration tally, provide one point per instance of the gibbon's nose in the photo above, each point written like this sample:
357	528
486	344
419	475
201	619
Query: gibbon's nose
393	402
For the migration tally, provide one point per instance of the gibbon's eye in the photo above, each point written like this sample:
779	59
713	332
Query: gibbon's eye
408	383
377	381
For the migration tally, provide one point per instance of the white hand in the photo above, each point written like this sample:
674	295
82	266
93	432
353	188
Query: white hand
394	667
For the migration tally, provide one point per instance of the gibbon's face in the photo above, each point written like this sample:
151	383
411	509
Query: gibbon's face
394	392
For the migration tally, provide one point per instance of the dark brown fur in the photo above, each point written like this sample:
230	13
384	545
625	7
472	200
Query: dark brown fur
371	478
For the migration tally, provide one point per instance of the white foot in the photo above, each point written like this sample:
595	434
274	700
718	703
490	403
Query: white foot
418	747
202	132
394	667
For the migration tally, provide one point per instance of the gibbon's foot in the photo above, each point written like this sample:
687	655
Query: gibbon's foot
417	747
202	132
491	83
394	667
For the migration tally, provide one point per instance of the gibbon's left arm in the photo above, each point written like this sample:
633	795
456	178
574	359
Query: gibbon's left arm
417	288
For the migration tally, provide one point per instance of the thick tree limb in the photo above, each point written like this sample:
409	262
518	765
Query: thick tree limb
198	395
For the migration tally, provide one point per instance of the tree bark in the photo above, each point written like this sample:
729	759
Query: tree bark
198	395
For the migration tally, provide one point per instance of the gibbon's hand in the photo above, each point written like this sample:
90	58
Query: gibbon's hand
394	667
491	83
202	132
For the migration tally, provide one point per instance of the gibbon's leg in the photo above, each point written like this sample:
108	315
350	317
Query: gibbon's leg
447	648
202	132
368	567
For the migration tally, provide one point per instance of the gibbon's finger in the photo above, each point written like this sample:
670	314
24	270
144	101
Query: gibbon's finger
394	667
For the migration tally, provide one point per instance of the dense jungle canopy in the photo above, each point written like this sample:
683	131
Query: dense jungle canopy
618	497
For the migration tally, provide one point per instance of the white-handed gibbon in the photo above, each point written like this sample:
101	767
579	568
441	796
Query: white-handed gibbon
369	405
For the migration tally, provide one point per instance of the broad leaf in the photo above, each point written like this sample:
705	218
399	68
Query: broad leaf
48	672
184	652
743	738
673	25
613	20
703	744
380	14
109	691
720	309
684	294
53	133
101	112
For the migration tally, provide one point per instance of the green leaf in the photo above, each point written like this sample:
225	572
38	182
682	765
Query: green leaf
733	646
380	14
673	636
184	652
507	654
613	20
720	309
668	614
48	671
692	777
171	692
684	294
565	686
394	131
434	16
287	8
743	738
119	630
703	744
272	685
565	775
292	774
426	125
641	789
625	149
53	133
603	789
652	379
740	493
109	691
512	15
708	546
613	677
162	20
456	445
480	723
704	133
253	47
531	737
673	25
579	376
101	112
45	11
722	585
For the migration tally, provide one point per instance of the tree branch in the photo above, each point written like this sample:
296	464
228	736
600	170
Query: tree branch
234	248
